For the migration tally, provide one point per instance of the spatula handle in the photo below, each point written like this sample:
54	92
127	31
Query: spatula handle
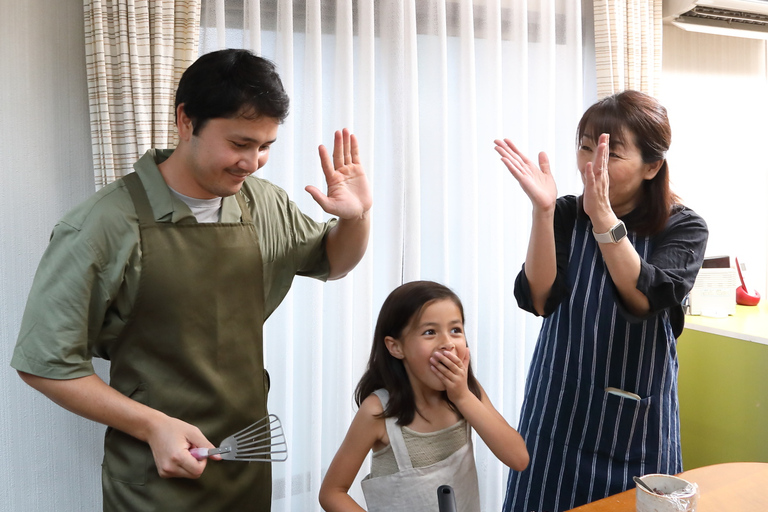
200	453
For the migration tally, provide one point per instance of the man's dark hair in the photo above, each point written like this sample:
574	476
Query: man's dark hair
231	83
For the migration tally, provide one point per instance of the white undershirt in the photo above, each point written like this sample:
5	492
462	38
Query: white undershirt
204	210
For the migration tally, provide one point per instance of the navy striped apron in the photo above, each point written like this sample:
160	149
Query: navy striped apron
585	443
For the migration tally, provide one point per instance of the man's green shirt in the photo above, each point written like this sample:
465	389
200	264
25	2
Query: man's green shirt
86	283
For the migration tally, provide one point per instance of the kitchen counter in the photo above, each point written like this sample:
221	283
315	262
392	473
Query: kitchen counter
750	323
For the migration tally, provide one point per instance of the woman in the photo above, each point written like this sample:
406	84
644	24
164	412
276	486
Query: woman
608	270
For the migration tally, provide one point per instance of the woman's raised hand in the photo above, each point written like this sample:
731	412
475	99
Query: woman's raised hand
597	201
536	182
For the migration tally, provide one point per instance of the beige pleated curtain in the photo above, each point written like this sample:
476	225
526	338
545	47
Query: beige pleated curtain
628	36
136	51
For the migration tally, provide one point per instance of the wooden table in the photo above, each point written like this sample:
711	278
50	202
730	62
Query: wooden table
736	486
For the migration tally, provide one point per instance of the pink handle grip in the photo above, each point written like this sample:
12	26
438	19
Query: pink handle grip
199	453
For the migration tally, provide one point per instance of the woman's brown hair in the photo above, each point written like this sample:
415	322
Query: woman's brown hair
636	113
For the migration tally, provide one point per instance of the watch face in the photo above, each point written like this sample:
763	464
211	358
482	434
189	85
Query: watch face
619	232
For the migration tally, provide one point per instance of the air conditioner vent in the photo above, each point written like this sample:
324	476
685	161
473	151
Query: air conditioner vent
739	18
710	13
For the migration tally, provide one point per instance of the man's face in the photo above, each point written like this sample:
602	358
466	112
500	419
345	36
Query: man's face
225	152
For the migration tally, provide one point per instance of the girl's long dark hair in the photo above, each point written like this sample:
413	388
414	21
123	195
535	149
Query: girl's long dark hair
644	117
403	306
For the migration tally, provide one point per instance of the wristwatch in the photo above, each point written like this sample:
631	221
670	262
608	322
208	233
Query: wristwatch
613	236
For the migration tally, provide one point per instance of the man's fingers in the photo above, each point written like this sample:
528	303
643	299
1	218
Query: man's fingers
318	196
182	466
338	149
347	146
326	162
354	149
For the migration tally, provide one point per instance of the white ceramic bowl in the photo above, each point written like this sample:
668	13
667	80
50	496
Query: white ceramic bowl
649	502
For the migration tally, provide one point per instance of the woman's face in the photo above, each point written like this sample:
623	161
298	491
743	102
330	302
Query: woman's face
626	170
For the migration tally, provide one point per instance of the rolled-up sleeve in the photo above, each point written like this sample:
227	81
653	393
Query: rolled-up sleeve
668	274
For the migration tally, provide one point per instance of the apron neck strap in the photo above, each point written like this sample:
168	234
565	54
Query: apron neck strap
140	199
144	209
245	213
395	434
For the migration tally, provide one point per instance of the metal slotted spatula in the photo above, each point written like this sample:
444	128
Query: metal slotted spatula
263	441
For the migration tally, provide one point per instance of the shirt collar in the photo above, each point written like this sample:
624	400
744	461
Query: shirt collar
167	207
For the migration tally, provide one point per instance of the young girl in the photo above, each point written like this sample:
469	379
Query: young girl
418	399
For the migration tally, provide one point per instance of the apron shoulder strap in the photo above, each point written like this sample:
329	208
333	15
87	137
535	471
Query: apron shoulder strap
383	395
140	199
245	213
395	434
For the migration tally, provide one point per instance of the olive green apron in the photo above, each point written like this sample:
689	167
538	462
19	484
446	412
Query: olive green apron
193	350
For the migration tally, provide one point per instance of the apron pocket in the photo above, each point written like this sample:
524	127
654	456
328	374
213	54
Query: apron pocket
127	459
577	414
630	427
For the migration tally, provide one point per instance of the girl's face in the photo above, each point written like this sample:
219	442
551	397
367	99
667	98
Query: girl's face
439	328
626	170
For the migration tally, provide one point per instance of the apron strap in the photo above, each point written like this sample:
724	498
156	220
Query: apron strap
144	209
245	213
395	434
140	199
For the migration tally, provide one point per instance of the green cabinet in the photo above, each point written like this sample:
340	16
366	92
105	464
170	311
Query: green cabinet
723	389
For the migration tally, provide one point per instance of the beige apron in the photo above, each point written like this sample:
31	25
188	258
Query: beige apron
193	350
415	489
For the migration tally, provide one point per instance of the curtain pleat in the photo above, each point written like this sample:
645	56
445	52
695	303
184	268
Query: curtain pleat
136	52
628	35
426	86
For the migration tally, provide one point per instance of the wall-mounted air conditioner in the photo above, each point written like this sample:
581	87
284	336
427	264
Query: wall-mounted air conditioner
739	18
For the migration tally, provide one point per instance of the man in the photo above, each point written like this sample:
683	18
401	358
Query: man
170	274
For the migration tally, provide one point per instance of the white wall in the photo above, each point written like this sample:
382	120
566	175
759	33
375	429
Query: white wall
716	91
50	458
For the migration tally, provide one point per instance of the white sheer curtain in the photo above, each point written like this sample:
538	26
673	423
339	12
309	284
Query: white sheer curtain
426	86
